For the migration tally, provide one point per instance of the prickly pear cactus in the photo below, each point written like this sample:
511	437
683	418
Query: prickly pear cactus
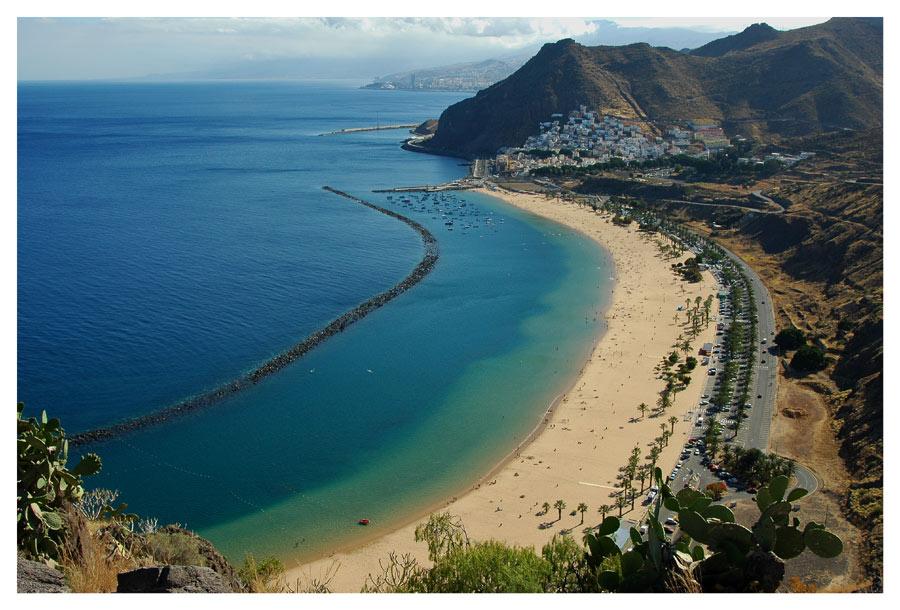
44	485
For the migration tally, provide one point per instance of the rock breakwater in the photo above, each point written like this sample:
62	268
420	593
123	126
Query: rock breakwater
285	358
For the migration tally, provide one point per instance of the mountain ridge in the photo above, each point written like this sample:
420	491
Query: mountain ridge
800	82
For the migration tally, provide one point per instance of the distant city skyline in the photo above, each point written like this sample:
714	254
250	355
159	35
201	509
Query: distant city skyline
340	47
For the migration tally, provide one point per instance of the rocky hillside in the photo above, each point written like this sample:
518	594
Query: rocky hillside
823	261
803	81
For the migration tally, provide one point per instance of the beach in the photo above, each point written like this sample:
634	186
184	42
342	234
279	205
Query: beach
576	452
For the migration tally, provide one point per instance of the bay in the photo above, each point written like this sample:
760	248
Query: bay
172	236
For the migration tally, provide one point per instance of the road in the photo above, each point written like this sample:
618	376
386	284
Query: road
756	430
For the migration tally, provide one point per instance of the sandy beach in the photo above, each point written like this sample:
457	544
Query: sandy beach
576	454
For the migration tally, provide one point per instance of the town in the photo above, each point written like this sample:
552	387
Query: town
584	138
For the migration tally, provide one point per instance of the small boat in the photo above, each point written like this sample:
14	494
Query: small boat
364	522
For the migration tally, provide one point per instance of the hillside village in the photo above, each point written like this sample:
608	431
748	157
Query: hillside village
585	137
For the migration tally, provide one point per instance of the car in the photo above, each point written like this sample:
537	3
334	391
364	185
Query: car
703	403
733	480
672	477
762	361
696	452
671	521
643	529
712	371
764	341
680	463
759	395
668	529
752	490
692	440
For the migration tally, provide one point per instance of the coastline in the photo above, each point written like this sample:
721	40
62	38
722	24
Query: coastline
574	451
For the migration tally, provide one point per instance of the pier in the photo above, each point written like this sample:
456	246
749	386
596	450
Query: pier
376	128
456	185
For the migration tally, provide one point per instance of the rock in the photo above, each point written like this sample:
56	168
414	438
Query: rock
211	556
34	577
172	579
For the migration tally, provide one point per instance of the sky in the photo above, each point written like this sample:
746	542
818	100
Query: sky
170	39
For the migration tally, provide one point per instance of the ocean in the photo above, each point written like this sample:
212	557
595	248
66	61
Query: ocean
173	236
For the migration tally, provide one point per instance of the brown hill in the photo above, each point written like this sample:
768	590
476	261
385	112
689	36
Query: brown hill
804	81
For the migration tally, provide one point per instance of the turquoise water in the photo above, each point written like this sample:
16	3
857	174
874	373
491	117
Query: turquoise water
198	243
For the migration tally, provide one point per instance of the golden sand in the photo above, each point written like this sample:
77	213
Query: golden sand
589	436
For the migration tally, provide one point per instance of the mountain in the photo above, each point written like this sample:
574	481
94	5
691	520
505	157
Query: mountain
799	82
470	76
755	34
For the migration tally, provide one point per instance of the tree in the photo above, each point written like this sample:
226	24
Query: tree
621	502
643	408
582	508
486	567
809	358
673	420
604	508
559	505
691	363
546	507
790	339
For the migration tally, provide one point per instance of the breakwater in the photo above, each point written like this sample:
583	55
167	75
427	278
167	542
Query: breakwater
429	259
377	128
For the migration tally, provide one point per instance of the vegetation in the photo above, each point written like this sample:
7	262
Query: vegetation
45	487
266	576
714	553
790	339
753	467
809	358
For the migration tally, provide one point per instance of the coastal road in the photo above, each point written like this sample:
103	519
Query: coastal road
755	432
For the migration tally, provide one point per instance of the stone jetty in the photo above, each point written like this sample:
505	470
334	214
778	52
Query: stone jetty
280	361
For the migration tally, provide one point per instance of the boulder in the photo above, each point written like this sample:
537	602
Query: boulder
34	577
172	579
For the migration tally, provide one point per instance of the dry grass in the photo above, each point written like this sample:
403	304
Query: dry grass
97	571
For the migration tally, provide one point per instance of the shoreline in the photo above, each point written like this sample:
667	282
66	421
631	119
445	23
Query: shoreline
552	443
278	362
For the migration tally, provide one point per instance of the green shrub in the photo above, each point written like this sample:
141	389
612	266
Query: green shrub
809	358
44	486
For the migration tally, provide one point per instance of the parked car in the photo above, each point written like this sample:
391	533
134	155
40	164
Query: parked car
671	521
751	490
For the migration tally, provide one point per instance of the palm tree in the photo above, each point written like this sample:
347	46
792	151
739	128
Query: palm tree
643	471
654	455
604	508
643	408
620	503
546	507
582	508
633	493
673	420
559	505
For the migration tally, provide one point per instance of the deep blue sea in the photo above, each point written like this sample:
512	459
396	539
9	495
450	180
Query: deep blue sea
174	236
